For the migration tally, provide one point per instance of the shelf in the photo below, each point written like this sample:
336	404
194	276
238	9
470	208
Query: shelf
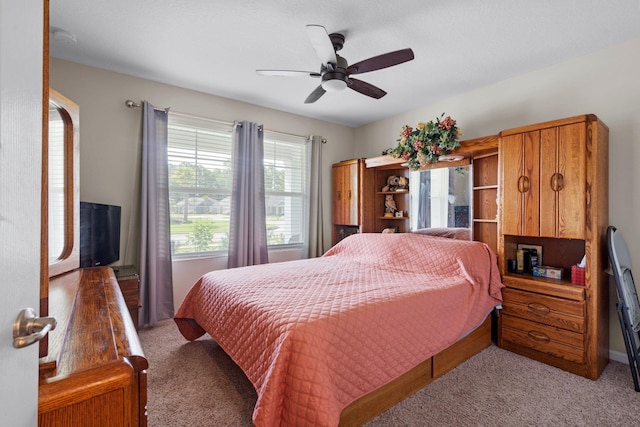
486	187
394	192
492	221
393	218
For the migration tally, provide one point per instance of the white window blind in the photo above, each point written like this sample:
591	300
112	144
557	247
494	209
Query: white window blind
286	162
200	174
199	154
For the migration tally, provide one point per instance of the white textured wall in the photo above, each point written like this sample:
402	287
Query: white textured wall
606	83
110	147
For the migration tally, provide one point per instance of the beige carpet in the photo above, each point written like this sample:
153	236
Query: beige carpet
197	384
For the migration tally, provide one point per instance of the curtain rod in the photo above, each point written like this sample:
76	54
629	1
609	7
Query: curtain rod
131	104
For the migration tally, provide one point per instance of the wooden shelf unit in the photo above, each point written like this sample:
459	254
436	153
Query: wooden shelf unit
485	198
402	199
554	180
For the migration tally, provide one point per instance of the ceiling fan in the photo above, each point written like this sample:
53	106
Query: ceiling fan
334	69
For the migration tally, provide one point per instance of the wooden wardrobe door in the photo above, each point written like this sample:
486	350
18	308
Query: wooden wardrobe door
563	183
521	184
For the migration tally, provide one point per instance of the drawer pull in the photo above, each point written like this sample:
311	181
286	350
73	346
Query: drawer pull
539	336
523	184
557	182
539	309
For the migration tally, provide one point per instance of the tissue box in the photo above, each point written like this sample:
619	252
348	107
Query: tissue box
577	275
554	272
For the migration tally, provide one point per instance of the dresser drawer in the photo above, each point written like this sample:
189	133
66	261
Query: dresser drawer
130	289
547	339
552	311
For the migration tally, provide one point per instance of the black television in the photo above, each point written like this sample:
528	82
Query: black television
99	234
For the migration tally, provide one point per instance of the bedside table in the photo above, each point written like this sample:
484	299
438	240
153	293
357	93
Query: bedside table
129	282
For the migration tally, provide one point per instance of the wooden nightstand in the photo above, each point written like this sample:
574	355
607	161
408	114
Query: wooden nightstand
129	282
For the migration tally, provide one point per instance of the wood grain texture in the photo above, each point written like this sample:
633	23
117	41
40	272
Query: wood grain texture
346	192
469	148
99	377
545	309
573	216
351	199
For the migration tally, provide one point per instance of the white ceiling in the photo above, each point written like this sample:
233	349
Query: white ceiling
215	46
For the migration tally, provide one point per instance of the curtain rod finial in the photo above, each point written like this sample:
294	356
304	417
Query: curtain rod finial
130	104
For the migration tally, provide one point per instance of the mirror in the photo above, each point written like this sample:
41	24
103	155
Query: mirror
441	198
62	184
56	185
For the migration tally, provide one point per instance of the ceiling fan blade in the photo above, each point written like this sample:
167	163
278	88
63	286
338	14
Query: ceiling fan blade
315	95
287	73
366	88
322	44
381	61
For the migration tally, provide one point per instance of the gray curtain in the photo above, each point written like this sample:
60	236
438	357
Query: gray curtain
156	285
316	231
248	227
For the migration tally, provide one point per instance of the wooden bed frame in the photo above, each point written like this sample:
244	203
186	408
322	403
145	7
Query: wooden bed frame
378	401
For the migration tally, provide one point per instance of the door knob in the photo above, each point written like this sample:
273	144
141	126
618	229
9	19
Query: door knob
28	328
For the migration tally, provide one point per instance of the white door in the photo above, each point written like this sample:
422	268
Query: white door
21	24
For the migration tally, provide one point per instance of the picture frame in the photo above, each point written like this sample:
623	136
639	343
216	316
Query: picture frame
538	248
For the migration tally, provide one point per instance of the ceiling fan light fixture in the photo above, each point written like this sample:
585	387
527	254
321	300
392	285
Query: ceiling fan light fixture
334	85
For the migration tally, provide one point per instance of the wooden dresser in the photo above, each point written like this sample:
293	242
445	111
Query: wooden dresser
95	373
129	282
554	181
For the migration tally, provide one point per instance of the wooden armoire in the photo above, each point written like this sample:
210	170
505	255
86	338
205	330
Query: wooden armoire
554	195
350	209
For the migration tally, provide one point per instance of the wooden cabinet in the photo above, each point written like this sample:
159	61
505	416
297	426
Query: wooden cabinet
129	283
554	180
346	192
545	181
95	373
351	211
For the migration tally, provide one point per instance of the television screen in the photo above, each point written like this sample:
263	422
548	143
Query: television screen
99	234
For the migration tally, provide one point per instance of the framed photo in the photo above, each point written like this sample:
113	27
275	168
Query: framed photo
536	247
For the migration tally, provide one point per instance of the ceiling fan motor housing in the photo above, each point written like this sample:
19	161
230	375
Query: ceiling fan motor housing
336	79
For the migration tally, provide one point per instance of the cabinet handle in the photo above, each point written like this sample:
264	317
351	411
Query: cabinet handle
538	308
523	184
557	181
339	195
538	336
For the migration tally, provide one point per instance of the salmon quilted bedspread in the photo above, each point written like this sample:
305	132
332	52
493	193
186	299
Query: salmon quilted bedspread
314	335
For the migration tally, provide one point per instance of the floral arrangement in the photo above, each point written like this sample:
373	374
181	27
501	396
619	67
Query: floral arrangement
427	142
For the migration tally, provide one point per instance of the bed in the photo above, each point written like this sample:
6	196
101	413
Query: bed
320	335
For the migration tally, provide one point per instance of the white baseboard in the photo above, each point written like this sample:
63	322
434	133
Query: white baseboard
618	356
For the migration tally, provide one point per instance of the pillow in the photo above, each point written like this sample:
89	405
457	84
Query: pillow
452	233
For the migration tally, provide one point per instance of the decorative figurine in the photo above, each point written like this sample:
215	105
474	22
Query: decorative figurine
389	205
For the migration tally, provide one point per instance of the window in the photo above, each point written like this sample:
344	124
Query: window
286	162
200	177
